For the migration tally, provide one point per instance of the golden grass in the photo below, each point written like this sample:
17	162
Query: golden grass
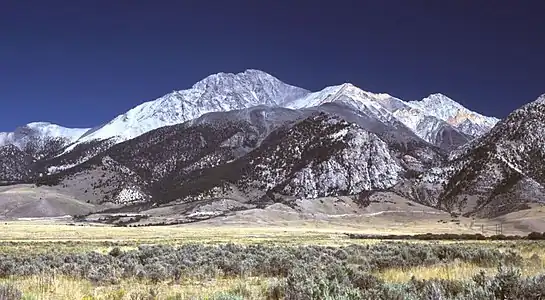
45	236
533	254
42	236
65	288
450	271
453	271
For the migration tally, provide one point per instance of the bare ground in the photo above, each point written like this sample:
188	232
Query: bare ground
26	200
387	213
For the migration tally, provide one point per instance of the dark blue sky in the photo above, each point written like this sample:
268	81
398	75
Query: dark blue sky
80	63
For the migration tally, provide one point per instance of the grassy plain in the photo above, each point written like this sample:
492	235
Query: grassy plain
53	238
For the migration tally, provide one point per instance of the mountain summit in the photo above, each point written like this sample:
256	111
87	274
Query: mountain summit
218	92
450	111
228	91
37	137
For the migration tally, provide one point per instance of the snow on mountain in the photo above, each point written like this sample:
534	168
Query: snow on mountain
35	138
387	109
43	130
218	92
349	94
430	128
382	114
227	91
452	112
495	174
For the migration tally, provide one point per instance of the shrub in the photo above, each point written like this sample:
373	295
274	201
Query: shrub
10	292
115	252
303	272
226	296
536	236
275	290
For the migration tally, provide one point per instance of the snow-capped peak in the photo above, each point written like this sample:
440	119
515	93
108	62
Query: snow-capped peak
347	93
40	124
217	92
229	91
443	107
440	99
40	131
54	130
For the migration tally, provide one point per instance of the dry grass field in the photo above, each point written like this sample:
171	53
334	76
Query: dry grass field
64	261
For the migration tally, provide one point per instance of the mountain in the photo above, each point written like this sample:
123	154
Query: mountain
441	121
498	173
252	140
377	113
419	116
218	92
41	139
253	156
227	91
450	111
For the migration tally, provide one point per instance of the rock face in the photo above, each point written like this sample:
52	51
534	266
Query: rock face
315	158
498	173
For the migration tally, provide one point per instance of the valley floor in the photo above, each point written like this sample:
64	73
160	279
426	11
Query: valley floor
49	259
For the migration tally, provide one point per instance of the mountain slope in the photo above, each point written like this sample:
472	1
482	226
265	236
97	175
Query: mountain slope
450	111
15	165
41	139
169	154
312	158
321	155
388	110
218	92
249	157
499	173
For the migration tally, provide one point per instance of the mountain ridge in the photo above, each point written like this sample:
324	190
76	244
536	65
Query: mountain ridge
221	92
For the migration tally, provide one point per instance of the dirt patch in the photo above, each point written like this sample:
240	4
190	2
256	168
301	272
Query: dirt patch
23	201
